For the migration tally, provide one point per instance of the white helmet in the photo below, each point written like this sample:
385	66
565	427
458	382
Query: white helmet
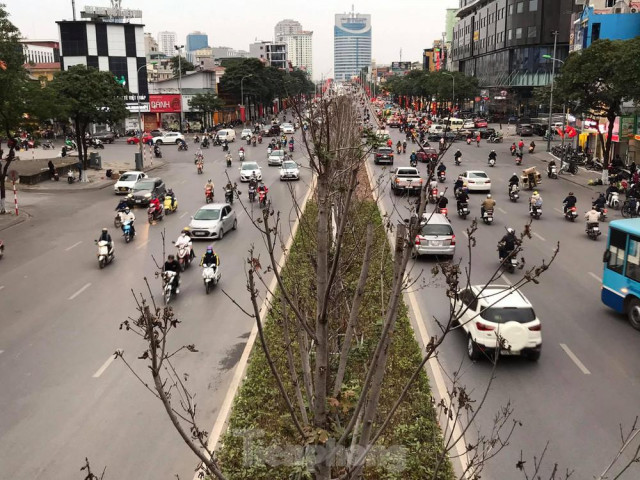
488	195
510	230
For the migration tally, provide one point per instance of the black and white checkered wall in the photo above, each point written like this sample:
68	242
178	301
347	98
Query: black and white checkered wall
114	47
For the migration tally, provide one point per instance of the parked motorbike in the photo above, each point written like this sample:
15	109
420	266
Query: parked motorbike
210	276
593	231
571	214
487	217
48	145
463	211
154	213
127	231
105	254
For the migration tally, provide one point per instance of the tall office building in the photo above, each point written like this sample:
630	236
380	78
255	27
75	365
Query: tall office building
195	41
351	45
299	44
166	43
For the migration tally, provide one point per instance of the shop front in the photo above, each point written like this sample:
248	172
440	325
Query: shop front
164	113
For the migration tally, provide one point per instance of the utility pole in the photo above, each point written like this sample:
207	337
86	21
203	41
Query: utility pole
73	7
553	73
179	49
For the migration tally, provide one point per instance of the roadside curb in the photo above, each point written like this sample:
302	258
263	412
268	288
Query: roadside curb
568	177
15	220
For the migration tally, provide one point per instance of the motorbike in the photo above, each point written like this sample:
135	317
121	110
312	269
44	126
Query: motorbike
48	145
71	144
252	194
531	149
228	196
519	160
463	211
444	211
127	231
468	141
183	147
200	167
205	143
442	176
413	162
492	162
514	194
197	157
168	208
535	212
262	199
433	195
593	231
253	141
487	217
457	160
210	276
154	213
571	214
228	161
507	259
552	172
70	177
208	195
260	139
248	141
494	139
614	200
241	155
513	150
399	150
291	147
196	139
97	143
168	285
105	254
184	256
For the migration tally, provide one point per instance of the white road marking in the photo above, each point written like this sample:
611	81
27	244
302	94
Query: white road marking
79	291
575	359
185	213
464	232
142	245
558	210
502	210
1	287
72	246
506	279
595	276
104	366
182	182
1	352
539	236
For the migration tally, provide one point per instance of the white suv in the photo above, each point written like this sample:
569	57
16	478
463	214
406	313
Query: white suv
168	137
497	316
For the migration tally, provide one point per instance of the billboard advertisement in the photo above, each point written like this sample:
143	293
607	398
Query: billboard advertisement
164	103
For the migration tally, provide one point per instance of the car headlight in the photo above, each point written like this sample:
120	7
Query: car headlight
147	195
130	195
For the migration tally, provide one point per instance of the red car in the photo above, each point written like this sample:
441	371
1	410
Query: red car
481	123
427	154
146	138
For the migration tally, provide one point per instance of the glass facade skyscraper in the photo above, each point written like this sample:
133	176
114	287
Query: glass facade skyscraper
351	45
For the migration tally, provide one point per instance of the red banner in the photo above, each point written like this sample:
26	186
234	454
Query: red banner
571	132
165	103
260	110
275	107
242	115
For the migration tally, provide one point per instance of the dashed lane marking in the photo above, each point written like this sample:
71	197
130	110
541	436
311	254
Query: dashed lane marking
599	279
1	287
502	210
558	210
184	214
79	291
575	359
143	244
539	236
104	366
72	246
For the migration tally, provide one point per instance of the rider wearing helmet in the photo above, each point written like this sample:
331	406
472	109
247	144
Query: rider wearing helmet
569	202
535	201
172	196
493	155
105	237
487	204
210	258
128	216
508	243
442	200
185	240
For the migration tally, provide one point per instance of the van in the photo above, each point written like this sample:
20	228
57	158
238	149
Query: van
453	124
227	134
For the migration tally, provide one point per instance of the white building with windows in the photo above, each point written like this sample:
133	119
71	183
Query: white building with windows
299	44
166	43
351	45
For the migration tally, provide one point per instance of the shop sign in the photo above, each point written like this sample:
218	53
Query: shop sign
142	107
164	103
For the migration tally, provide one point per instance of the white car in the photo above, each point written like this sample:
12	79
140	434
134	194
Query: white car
213	221
289	170
126	182
287	128
477	180
276	157
168	137
248	169
436	128
497	317
469	124
246	133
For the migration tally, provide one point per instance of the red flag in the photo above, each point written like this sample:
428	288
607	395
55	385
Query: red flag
560	132
571	131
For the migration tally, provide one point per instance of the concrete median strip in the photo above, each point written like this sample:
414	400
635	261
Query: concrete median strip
575	359
79	291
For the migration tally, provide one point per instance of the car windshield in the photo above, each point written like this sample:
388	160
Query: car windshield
508	314
143	186
277	153
249	166
289	165
477	175
128	177
436	230
207	214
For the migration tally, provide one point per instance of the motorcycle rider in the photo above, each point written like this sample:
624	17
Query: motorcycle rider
172	196
599	202
200	164
507	243
532	146
487	204
208	185
442	168
551	164
185	240
122	205
569	202
155	202
404	147
172	265
592	217
514	180
535	201
228	158
105	237
457	156
413	158
253	182
262	189
610	189
442	201
399	146
493	156
521	146
462	198
513	148
128	216
458	185
210	258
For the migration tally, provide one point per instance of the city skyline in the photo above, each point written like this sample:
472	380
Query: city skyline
417	32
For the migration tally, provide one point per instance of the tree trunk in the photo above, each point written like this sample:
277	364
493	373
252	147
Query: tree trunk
5	169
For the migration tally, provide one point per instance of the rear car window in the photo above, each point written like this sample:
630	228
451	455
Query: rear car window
508	314
436	230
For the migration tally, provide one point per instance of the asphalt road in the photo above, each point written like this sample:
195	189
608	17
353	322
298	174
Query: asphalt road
61	399
586	382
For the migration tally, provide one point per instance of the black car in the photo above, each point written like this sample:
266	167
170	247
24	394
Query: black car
144	190
539	129
486	132
524	130
105	137
271	131
383	154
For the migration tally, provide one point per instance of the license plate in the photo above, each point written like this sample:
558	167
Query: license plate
123	189
480	183
199	234
138	201
435	243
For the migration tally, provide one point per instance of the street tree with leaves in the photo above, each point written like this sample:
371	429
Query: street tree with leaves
87	95
207	103
599	79
180	64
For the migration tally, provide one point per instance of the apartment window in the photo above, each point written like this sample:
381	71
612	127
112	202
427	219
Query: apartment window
610	3
533	5
510	10
532	32
519	7
510	35
518	33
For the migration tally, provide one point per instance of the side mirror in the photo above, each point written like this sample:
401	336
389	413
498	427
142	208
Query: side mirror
606	256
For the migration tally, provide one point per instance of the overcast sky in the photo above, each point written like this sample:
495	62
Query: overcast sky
410	25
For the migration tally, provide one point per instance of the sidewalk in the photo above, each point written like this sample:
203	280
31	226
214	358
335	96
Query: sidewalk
9	219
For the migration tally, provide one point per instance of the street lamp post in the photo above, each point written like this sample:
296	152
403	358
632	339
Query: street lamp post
140	126
179	49
242	92
453	94
553	73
